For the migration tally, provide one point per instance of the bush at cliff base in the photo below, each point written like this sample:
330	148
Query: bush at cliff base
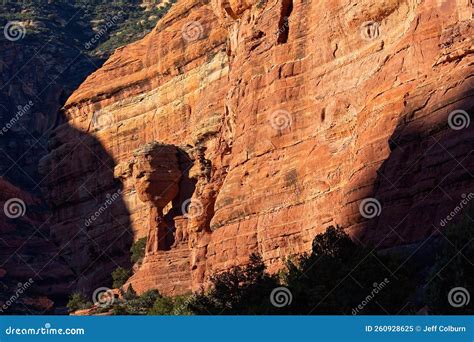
453	270
338	277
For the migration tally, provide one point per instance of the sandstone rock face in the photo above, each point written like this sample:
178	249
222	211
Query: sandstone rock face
286	117
157	174
46	51
24	270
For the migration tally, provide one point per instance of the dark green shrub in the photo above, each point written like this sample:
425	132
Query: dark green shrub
130	294
162	306
241	290
138	250
342	277
338	277
77	301
120	277
137	305
453	269
178	306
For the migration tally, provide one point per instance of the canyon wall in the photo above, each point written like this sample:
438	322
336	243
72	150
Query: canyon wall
250	126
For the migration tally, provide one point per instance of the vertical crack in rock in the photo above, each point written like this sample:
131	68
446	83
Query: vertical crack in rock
283	23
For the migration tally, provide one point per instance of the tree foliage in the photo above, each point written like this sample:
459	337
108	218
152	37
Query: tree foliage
241	290
338	277
452	276
77	301
120	277
138	250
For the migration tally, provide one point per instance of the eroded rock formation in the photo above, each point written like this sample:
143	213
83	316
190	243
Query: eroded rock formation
287	114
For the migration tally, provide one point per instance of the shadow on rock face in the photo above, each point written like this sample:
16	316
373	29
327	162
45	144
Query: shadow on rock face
90	222
425	185
79	239
429	171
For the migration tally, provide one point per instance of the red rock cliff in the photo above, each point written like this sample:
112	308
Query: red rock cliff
284	116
